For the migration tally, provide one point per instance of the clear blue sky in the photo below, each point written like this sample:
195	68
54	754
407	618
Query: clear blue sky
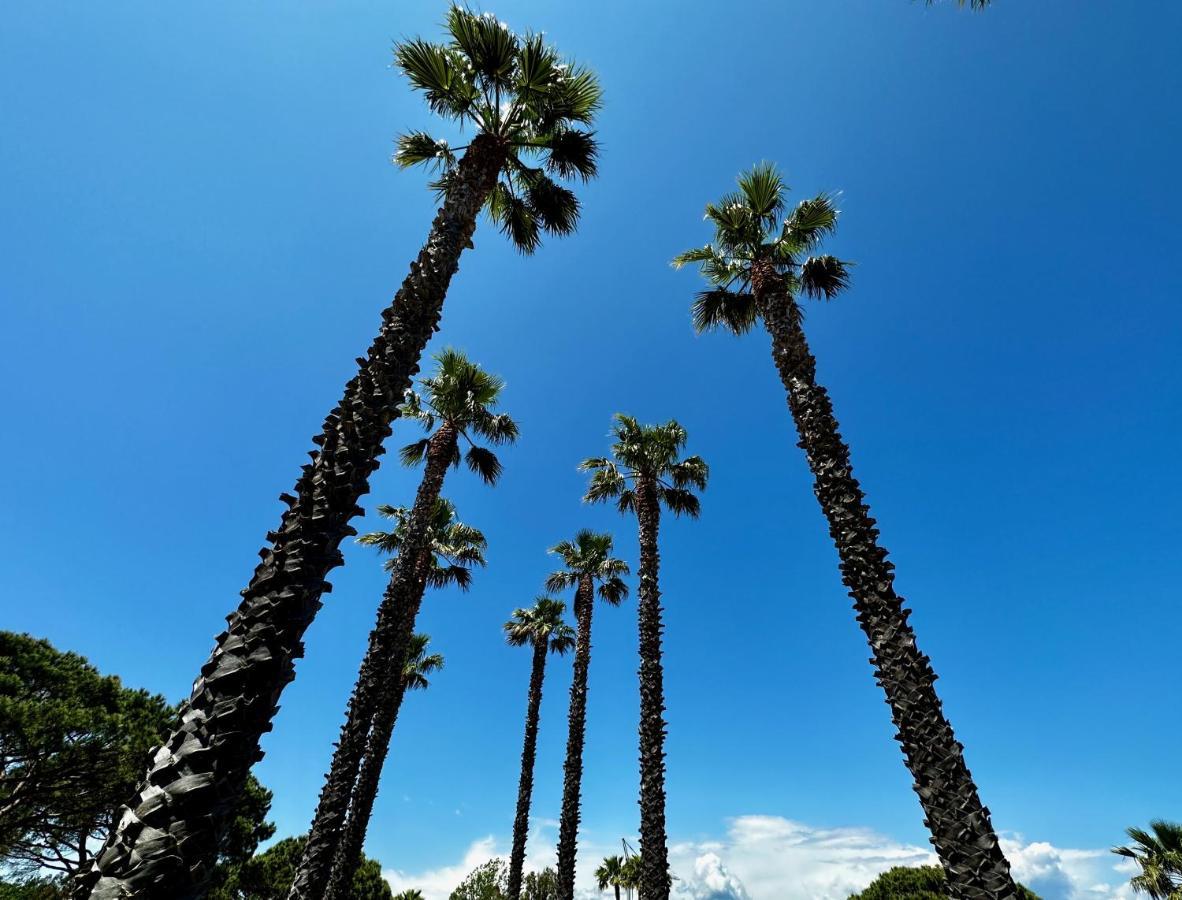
200	226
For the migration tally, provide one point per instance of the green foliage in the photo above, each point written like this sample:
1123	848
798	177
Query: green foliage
73	745
589	554
541	885
488	881
752	232
540	624
455	547
463	396
647	452
519	92
1158	853
916	883
412	894
268	876
33	889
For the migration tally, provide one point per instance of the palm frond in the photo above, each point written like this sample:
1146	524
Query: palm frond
553	205
417	147
439	74
812	221
697	255
484	463
690	472
721	308
413	454
824	277
763	189
680	502
570	153
487	44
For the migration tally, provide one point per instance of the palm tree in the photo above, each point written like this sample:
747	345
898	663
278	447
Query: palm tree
642	475
454	549
610	874
458	403
759	267
586	560
1159	855
413	894
529	113
542	628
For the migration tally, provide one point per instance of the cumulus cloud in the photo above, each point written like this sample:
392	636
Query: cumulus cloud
764	857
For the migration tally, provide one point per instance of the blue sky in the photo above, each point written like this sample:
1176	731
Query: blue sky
200	226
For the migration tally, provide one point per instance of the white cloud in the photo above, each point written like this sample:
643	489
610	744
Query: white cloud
773	858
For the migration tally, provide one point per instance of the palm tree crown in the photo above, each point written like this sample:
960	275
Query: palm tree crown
539	625
647	452
419	664
610	873
462	396
455	547
589	555
1159	854
754	241
524	101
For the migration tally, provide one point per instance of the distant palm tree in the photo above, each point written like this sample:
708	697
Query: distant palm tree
642	475
458	404
419	664
413	894
540	627
610	874
631	873
1160	857
530	115
587	560
758	268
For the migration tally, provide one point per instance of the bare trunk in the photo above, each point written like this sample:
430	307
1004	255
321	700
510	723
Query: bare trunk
388	645
961	829
654	853
568	834
165	843
525	786
365	791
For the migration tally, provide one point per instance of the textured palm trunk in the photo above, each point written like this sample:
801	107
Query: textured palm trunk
962	832
568	833
388	645
165	842
654	854
525	786
365	791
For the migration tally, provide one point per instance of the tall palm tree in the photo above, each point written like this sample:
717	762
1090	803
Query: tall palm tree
457	404
540	627
412	894
453	549
642	475
587	561
1159	856
759	267
530	115
610	874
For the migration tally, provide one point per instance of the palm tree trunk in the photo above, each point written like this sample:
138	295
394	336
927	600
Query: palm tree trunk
617	887
166	840
961	829
388	645
365	791
654	854
525	786
573	768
